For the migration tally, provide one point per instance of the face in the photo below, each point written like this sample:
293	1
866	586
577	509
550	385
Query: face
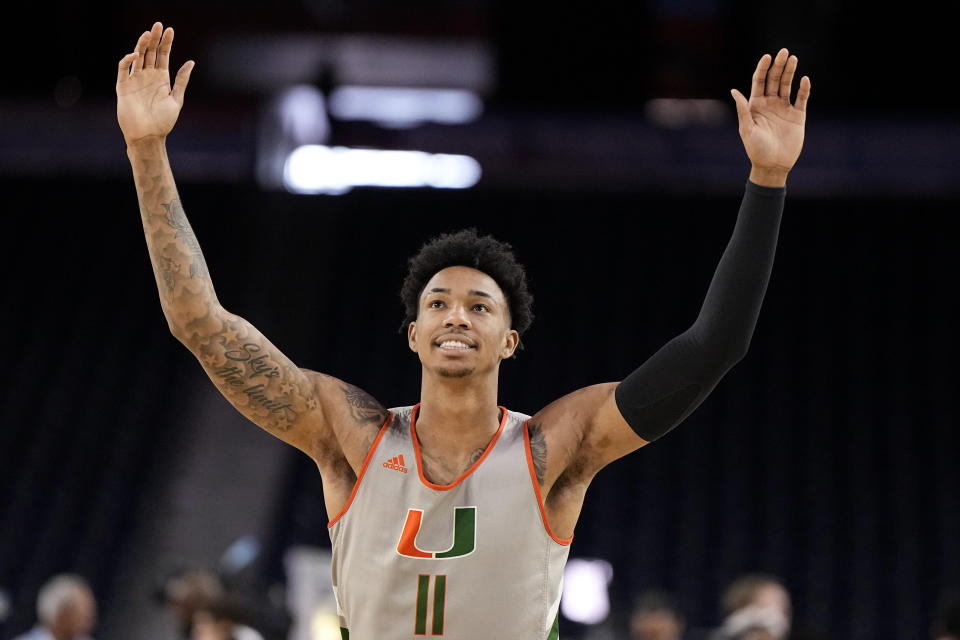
773	603
773	596
655	625
207	627
463	324
77	618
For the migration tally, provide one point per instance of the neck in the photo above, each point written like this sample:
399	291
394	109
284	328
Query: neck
458	413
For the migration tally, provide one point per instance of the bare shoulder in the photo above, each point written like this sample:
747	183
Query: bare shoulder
559	431
353	415
579	434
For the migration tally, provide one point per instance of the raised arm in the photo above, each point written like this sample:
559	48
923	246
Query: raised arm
322	416
671	384
587	429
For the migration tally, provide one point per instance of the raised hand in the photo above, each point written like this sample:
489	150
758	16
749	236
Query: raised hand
146	105
771	127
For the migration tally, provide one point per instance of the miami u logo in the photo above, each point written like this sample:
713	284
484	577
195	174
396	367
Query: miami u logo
464	535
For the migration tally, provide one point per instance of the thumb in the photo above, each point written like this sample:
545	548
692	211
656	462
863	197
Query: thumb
180	83
743	108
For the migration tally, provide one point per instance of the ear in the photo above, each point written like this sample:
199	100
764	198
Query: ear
510	342
412	336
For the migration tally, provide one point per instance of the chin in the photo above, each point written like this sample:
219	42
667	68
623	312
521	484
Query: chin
455	373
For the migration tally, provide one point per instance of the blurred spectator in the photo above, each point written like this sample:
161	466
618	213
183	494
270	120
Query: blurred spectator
221	619
755	607
205	609
66	610
185	592
655	617
946	623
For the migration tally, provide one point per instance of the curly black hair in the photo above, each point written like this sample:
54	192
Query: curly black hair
467	248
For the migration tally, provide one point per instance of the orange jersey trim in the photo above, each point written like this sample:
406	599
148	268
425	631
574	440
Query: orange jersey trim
363	469
416	449
536	489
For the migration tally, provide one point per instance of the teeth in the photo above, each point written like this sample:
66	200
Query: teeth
454	344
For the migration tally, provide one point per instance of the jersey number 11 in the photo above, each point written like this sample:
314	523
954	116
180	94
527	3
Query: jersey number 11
439	593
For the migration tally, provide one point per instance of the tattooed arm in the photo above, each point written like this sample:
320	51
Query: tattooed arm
329	420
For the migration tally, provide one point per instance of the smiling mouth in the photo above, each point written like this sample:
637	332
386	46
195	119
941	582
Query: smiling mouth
454	345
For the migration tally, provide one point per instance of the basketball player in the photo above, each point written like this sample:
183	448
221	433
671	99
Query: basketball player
454	516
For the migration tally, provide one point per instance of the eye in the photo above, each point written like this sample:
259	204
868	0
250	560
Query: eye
435	304
480	307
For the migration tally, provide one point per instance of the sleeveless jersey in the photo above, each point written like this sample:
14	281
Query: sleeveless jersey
469	560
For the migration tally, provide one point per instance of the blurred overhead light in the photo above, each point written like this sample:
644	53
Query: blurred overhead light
240	554
315	169
585	597
676	113
302	114
265	62
293	117
405	106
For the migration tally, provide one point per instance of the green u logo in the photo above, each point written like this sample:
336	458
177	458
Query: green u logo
464	535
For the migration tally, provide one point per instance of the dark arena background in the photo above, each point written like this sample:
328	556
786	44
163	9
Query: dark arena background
600	140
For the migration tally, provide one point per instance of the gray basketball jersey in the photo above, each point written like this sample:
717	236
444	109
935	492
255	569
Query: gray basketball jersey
470	560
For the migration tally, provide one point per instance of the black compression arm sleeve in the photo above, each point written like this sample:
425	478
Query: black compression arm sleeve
668	387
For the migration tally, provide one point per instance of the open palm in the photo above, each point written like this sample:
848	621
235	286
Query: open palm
771	128
147	106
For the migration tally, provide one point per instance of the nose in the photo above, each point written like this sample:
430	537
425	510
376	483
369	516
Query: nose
457	317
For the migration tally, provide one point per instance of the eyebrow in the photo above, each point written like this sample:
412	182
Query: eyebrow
482	294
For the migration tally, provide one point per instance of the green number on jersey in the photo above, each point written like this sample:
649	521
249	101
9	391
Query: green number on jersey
439	598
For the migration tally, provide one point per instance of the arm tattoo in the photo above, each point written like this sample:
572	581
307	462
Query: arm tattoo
183	281
168	269
256	378
363	408
264	387
177	220
247	371
538	450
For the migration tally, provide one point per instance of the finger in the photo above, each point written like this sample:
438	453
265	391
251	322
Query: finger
163	54
786	80
150	61
803	93
142	49
743	110
776	70
760	77
180	83
123	70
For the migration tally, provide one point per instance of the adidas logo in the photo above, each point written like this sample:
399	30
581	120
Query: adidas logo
396	463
